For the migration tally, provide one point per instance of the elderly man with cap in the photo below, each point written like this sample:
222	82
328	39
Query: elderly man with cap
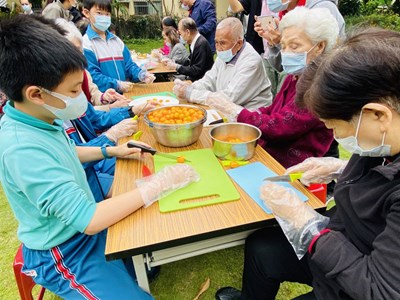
237	72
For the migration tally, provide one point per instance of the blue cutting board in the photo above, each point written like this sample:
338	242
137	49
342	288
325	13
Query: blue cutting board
214	183
250	178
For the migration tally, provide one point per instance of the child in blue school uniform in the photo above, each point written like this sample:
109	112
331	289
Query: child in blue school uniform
59	223
109	60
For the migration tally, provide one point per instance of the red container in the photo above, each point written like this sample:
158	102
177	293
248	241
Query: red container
319	190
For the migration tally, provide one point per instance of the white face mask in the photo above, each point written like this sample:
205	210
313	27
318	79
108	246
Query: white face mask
185	7
226	55
74	107
350	143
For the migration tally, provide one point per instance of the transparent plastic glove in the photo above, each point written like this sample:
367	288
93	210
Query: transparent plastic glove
299	221
111	96
167	180
319	169
182	90
124	128
165	60
124	86
146	77
223	104
171	65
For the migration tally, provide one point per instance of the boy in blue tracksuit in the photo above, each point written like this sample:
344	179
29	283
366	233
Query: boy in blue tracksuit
59	222
109	60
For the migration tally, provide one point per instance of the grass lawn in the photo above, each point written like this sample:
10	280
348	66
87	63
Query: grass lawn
179	280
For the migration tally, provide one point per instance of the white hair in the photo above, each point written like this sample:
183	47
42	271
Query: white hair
71	31
317	23
235	26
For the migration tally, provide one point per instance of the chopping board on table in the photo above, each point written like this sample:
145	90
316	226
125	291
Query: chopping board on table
251	177
214	186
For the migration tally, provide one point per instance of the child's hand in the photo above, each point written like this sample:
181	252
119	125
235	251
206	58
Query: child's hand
124	128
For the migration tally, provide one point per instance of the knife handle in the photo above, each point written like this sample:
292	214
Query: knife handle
144	149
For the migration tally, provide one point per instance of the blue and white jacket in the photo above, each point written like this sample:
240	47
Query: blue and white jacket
108	60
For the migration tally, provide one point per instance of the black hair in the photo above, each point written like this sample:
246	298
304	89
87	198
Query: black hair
39	56
169	21
364	69
101	4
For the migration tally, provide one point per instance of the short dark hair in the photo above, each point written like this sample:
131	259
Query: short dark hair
39	56
102	4
364	69
169	21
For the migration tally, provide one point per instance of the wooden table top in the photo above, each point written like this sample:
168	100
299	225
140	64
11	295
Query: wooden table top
161	69
148	230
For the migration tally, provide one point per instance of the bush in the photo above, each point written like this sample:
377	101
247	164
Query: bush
387	21
349	7
139	27
370	7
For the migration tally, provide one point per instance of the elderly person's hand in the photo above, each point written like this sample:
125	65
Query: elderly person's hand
171	65
167	180
271	33
299	221
182	89
220	102
318	169
165	60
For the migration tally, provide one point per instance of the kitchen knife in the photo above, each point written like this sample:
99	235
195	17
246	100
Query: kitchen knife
285	178
152	151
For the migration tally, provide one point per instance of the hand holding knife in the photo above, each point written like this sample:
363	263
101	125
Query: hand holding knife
152	151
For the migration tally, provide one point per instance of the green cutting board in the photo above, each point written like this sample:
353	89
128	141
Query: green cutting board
213	182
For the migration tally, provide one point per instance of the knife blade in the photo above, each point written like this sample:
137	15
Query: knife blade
152	151
285	178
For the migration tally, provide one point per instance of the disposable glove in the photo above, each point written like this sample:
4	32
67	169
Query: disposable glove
110	96
124	86
167	180
221	103
299	221
182	90
124	128
171	65
146	77
319	169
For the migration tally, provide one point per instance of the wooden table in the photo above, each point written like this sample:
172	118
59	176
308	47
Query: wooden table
161	69
157	238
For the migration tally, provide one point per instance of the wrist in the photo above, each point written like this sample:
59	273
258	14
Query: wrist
103	149
102	99
315	239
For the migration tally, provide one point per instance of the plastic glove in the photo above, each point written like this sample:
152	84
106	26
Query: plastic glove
319	169
124	86
111	96
299	221
142	108
124	128
146	77
221	103
166	60
167	180
182	90
171	65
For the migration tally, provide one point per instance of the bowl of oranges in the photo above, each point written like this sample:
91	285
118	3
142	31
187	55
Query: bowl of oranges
234	141
176	125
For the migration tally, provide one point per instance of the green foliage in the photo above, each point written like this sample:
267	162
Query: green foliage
139	27
370	7
388	21
143	45
349	7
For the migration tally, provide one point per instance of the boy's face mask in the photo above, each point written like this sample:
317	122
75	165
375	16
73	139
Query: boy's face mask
74	107
102	23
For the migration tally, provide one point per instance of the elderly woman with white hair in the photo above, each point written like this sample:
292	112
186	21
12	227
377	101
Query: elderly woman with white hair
237	72
291	134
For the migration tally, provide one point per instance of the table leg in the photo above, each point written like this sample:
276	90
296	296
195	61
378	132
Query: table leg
140	270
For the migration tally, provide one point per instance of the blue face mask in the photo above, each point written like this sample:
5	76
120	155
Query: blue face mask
168	44
26	7
277	5
350	143
227	55
294	63
102	23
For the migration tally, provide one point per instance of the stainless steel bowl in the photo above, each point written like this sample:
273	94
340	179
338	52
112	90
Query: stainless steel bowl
221	134
176	135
